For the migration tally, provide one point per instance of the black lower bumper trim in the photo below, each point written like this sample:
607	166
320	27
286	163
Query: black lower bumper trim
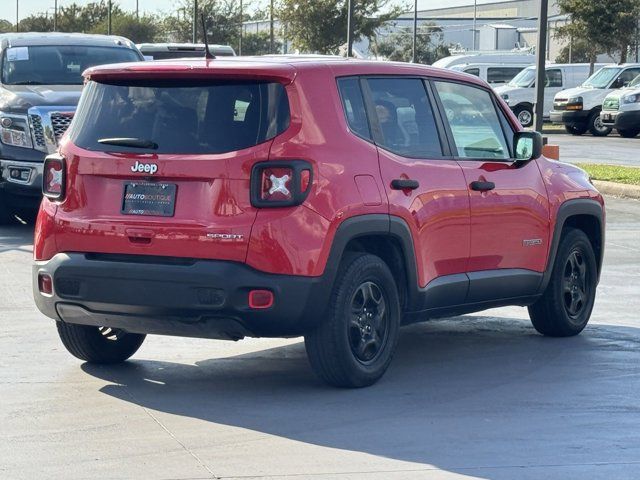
199	298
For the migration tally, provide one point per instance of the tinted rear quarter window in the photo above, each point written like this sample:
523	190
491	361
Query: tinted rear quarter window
353	105
181	117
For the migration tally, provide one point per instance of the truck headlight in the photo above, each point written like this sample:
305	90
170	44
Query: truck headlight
14	130
631	98
574	103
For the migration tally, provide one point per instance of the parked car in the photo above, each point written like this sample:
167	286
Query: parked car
495	75
520	93
621	109
495	58
163	51
40	84
349	197
578	109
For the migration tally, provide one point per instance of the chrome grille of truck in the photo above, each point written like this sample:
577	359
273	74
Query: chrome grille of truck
38	130
611	104
60	122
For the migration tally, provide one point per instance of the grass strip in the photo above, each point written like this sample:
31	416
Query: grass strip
612	173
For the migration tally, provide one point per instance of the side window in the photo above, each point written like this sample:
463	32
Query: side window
502	74
554	78
626	77
474	122
353	105
473	71
405	117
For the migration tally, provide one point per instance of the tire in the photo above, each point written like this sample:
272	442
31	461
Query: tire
559	313
596	127
98	344
576	129
343	350
524	115
629	133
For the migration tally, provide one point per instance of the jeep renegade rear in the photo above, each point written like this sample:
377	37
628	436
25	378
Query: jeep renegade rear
335	199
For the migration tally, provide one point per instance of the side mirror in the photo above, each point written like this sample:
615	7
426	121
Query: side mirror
528	145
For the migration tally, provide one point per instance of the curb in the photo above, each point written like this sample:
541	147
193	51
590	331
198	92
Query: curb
617	189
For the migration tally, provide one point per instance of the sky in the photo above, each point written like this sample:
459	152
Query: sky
28	7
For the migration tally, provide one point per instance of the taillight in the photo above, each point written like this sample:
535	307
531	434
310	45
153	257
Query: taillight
53	177
280	183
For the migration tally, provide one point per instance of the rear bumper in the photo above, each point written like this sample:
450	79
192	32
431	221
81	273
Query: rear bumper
621	120
165	296
569	117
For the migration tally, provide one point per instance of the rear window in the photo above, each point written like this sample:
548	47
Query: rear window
181	117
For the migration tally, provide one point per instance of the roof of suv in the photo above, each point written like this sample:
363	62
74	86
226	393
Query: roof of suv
275	66
26	39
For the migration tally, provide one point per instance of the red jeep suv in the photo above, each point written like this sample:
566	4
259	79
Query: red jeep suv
284	196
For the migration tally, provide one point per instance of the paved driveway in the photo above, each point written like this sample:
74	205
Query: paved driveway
482	396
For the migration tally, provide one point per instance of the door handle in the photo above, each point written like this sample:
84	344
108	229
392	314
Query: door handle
479	186
404	184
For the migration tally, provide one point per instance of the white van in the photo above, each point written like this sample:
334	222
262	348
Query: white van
579	108
621	109
494	58
520	92
494	75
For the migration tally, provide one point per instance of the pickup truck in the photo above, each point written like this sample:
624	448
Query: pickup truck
40	85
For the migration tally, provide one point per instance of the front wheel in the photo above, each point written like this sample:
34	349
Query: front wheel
596	127
565	307
354	344
98	344
629	133
524	115
576	129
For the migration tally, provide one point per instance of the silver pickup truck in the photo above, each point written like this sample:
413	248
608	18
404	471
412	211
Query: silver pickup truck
40	85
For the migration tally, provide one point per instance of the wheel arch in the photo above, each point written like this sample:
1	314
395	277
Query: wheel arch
385	236
586	215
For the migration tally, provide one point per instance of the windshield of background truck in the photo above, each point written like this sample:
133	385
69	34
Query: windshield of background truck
524	79
635	82
57	64
602	78
180	116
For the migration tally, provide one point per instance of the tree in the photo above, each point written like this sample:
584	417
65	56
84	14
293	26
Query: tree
258	44
607	26
6	26
580	53
36	23
145	29
222	19
320	26
399	45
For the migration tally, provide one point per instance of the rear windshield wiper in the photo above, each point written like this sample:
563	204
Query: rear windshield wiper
129	142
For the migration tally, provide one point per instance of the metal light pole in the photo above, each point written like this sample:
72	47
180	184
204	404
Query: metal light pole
475	16
271	39
541	50
55	16
194	32
17	16
241	30
137	10
349	28
109	20
414	54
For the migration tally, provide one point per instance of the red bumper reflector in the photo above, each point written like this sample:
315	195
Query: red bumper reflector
45	283
260	299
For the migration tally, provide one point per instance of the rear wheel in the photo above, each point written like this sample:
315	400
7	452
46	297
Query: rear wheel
99	344
576	129
354	344
524	115
629	133
565	307
596	127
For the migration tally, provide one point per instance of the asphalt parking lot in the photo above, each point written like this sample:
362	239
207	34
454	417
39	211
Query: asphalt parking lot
482	396
612	149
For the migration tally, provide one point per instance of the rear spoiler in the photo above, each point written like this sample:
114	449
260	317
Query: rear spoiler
212	69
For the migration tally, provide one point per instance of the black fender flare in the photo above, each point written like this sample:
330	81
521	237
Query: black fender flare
568	209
